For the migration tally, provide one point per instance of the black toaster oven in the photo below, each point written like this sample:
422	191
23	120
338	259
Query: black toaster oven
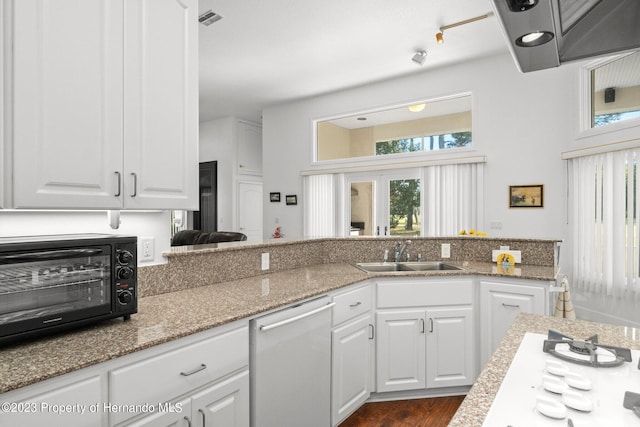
57	282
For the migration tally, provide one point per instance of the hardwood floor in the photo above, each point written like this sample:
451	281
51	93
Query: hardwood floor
434	412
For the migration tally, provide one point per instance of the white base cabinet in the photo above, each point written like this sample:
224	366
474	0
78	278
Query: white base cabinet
352	364
353	351
500	302
200	380
400	350
451	346
42	405
222	405
426	335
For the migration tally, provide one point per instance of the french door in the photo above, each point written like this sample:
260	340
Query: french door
384	203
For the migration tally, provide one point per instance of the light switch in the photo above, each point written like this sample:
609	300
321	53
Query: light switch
265	261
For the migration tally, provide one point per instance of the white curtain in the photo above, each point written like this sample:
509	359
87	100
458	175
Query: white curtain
320	206
453	197
604	209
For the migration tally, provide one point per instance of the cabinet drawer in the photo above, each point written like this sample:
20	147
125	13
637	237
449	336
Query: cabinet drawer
166	376
352	303
424	292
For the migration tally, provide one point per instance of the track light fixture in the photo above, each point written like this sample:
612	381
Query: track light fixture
440	35
419	57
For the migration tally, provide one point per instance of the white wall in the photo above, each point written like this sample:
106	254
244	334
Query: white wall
142	224
521	122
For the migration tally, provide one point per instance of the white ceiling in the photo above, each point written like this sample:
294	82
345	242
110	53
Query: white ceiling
266	52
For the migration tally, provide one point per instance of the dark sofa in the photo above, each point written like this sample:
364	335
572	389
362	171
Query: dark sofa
197	237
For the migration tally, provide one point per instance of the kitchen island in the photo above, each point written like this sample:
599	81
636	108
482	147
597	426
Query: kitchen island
476	404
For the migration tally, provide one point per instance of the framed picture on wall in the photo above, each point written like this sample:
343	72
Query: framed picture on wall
526	196
274	197
292	199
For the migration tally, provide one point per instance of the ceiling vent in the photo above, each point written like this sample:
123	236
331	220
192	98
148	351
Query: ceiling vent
209	17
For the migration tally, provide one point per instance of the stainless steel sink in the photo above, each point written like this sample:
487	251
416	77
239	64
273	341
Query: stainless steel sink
430	265
395	267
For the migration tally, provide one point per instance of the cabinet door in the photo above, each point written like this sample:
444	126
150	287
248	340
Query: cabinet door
67	111
352	375
450	347
39	410
500	304
400	350
249	149
161	104
174	415
226	404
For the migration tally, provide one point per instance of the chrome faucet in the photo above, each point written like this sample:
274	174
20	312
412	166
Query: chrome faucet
399	249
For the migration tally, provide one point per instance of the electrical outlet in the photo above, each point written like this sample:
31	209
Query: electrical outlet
265	261
147	246
445	250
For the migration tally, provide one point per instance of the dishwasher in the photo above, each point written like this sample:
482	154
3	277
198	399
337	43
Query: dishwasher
291	366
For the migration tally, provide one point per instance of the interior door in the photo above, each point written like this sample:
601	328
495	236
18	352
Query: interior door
250	209
384	204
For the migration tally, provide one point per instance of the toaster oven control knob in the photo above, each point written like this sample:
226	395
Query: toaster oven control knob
124	273
125	297
124	257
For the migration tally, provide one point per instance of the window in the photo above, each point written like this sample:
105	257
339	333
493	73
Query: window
424	143
615	91
437	124
605	211
431	201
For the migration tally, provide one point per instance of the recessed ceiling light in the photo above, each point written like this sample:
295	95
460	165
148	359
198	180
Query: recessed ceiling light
535	38
417	108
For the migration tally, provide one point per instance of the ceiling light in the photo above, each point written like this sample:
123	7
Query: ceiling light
419	57
440	35
417	108
535	38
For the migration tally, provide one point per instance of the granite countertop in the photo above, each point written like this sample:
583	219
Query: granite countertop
165	317
476	404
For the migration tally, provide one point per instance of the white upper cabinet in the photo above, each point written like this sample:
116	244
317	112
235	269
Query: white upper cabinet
105	104
161	104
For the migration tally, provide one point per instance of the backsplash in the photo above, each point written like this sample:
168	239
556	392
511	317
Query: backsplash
188	267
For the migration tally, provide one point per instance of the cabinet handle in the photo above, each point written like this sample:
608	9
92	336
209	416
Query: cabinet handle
193	371
135	184
355	305
378	230
265	328
385	230
119	184
430	324
188	421
511	305
372	331
422	326
204	423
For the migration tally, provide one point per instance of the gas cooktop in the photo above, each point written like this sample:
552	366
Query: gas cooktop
545	388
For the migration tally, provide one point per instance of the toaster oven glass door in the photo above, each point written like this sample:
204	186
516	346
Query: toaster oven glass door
45	287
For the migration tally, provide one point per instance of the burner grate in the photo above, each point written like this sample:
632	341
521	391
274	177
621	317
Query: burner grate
587	347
